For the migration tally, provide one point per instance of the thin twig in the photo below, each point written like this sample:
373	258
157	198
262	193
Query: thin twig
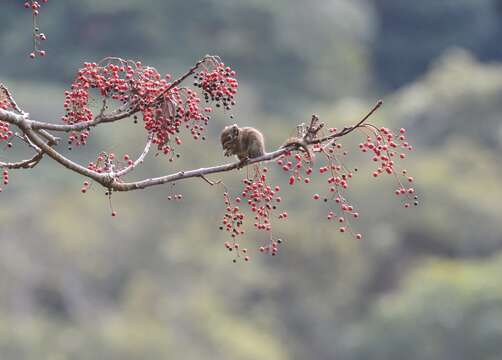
212	183
23	164
349	129
183	77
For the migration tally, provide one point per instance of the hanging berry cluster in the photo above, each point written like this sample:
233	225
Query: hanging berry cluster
5	132
386	148
338	179
218	85
296	167
5	178
109	162
262	199
232	222
165	106
300	170
38	37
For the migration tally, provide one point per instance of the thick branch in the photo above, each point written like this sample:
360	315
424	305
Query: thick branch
105	179
112	180
182	175
67	163
10	117
83	125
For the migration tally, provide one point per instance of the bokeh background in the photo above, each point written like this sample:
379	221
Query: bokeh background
156	282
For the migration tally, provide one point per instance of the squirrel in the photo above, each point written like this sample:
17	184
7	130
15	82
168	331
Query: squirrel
248	142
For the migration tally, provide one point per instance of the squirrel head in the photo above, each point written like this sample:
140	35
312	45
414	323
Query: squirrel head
234	130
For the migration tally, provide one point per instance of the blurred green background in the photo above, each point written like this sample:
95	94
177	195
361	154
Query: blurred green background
156	282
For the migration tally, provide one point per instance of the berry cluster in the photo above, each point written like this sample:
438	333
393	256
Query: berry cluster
233	218
166	106
338	180
296	167
108	162
5	132
232	222
165	118
218	85
38	37
338	176
173	196
5	104
272	247
5	178
117	80
386	147
85	187
239	252
262	199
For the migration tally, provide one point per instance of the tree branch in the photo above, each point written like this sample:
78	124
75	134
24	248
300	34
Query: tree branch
201	172
102	118
83	125
23	164
33	135
112	180
349	129
183	77
11	99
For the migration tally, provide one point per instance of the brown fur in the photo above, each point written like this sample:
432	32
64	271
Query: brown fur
245	142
